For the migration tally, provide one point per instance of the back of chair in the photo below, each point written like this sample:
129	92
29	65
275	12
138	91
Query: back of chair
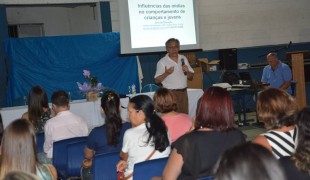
75	156
104	166
149	88
148	169
60	154
40	141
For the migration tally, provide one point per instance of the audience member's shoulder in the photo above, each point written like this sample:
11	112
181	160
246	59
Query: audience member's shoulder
50	121
77	116
126	125
184	115
99	128
190	135
236	132
132	130
291	170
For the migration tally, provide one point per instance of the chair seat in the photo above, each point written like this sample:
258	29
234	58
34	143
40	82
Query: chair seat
60	154
148	169
75	156
104	166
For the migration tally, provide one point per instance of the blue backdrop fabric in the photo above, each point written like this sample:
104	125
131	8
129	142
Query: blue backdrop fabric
58	63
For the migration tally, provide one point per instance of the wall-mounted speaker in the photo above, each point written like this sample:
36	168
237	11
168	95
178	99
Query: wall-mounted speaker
228	59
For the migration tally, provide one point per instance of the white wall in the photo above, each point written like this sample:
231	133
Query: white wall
43	1
57	20
244	23
223	23
85	20
115	15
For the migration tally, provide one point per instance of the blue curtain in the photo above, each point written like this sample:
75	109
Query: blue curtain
58	63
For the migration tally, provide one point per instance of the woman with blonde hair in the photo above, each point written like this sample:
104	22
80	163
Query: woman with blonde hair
277	110
18	152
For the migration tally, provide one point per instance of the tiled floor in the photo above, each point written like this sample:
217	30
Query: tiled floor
251	130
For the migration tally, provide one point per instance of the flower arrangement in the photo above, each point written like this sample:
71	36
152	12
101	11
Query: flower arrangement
92	85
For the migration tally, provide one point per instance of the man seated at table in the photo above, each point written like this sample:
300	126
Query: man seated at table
277	74
64	125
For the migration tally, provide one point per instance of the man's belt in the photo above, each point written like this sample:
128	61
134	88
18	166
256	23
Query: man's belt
184	89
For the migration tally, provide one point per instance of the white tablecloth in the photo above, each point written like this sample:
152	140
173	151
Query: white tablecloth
90	110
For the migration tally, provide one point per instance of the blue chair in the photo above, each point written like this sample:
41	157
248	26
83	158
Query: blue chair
75	156
149	88
60	154
293	87
104	166
148	169
40	141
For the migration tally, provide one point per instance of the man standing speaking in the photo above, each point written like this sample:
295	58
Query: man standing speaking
172	71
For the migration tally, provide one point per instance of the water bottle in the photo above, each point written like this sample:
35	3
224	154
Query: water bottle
25	100
69	94
129	90
133	88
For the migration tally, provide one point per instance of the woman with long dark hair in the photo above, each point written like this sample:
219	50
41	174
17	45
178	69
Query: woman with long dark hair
38	109
195	153
147	139
108	137
18	152
298	166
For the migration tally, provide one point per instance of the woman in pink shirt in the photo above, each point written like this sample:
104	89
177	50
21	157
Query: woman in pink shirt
177	123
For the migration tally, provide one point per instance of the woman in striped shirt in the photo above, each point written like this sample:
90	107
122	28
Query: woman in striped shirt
277	110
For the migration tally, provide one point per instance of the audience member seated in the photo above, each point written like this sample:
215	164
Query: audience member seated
177	123
277	110
195	153
298	166
18	152
64	125
248	161
108	137
147	139
38	110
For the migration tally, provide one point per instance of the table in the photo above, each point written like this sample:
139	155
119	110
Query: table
91	110
238	94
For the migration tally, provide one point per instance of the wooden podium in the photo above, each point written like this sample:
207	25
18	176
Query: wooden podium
297	58
197	82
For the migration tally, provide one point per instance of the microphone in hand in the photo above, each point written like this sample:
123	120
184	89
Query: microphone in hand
183	63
